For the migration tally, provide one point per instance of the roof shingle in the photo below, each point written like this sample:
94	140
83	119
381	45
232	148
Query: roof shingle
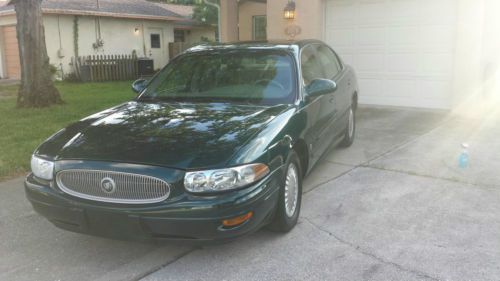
123	8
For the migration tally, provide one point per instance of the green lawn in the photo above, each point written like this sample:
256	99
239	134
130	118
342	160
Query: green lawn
22	130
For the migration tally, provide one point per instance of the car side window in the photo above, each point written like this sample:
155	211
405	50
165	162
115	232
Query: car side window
329	61
311	66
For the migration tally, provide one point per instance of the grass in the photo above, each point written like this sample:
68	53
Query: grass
22	130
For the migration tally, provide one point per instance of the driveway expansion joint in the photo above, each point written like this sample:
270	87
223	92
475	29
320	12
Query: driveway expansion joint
360	250
429	176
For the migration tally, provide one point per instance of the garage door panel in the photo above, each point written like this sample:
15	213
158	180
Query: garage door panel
402	63
402	50
432	88
441	36
401	88
344	12
369	62
371	11
437	64
402	35
404	11
437	12
370	36
343	37
374	84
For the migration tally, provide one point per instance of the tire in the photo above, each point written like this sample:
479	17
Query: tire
285	218
350	132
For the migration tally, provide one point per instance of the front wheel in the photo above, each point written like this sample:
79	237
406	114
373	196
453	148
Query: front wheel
290	197
350	130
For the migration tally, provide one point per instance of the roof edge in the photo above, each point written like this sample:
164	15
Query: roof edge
109	14
100	14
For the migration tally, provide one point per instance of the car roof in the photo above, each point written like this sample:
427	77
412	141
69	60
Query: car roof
286	45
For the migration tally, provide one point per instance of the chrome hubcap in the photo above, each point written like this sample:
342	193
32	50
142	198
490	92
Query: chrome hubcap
351	123
291	190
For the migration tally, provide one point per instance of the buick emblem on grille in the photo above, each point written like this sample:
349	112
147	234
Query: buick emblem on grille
108	185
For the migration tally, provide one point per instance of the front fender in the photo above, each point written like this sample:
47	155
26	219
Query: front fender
274	142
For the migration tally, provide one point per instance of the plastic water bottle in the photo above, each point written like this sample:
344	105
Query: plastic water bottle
463	159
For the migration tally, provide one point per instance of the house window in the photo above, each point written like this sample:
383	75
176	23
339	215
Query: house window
155	41
259	28
179	36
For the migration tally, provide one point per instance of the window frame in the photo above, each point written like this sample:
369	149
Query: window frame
151	40
254	24
315	51
177	35
335	58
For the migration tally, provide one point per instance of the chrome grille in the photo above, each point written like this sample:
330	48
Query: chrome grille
113	187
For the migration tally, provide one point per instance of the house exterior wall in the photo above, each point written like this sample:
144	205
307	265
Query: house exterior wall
118	35
309	17
59	35
4	21
229	20
247	11
194	36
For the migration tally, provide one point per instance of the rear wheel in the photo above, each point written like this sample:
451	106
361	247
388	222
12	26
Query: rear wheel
350	130
290	197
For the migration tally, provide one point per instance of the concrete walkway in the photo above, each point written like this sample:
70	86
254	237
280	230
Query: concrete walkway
394	206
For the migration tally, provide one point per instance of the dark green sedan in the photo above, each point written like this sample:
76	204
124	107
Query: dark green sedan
215	146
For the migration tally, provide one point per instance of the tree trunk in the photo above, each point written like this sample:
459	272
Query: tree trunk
37	88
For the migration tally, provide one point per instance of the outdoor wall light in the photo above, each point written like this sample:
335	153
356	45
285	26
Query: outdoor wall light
289	11
136	31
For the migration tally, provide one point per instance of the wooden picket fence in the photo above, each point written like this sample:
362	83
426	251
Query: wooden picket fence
99	68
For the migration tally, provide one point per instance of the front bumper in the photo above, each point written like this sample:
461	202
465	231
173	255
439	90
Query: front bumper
189	217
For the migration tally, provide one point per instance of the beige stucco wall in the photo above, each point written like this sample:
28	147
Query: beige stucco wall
247	11
4	21
194	36
229	20
309	16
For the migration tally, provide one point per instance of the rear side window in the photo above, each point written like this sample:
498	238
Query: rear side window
311	66
329	61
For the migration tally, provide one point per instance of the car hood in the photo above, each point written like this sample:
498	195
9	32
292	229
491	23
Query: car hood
184	136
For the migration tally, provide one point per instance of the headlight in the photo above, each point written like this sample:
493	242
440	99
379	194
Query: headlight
42	168
224	179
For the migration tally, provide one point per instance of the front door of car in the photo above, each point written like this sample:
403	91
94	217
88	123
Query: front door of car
320	109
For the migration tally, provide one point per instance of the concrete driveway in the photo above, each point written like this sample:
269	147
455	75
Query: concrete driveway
394	206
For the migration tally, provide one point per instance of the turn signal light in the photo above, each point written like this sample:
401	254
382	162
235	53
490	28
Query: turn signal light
237	220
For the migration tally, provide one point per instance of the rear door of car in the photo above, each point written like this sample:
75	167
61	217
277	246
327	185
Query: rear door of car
320	109
338	101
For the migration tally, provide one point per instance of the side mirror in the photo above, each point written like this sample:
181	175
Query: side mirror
319	87
139	85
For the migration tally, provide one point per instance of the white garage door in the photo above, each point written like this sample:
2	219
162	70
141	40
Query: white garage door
402	50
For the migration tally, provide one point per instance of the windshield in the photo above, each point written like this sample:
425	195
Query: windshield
256	77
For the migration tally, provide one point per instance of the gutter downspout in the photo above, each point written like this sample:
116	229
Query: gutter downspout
217	6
